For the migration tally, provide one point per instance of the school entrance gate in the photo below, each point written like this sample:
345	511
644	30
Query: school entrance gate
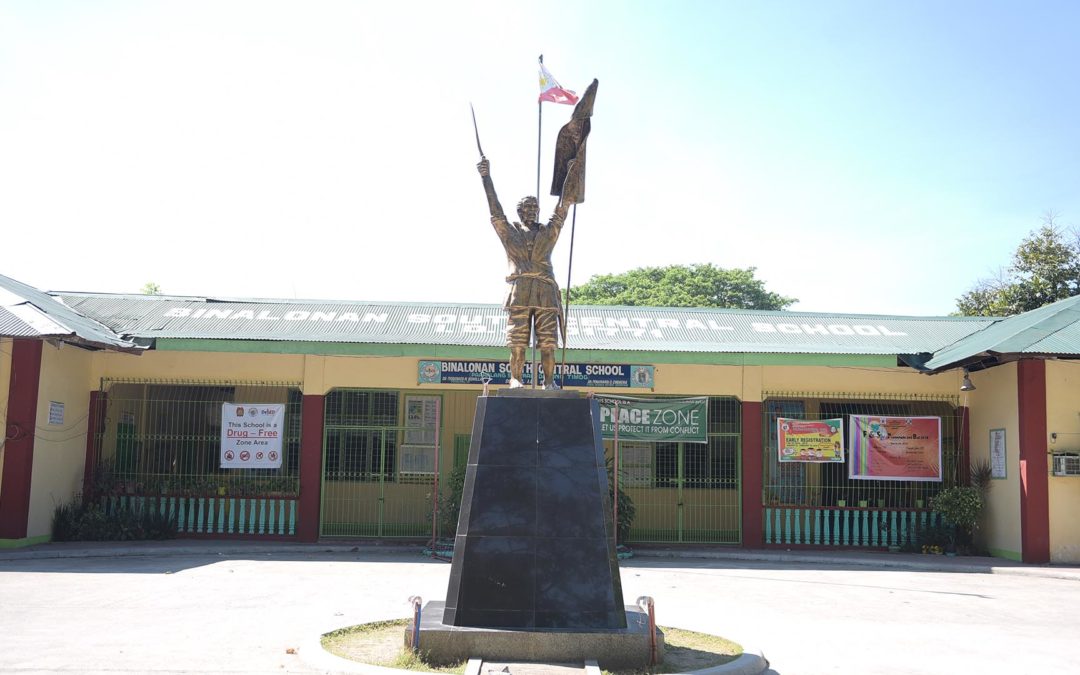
379	450
687	492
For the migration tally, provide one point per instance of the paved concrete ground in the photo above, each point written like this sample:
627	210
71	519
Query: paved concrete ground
237	607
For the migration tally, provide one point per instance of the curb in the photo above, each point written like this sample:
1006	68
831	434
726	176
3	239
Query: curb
311	652
262	549
50	551
1072	573
751	662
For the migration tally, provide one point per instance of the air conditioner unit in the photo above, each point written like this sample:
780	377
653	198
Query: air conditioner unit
1067	465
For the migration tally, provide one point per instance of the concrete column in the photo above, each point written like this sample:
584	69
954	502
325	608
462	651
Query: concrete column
1034	483
963	460
311	448
19	438
753	535
95	423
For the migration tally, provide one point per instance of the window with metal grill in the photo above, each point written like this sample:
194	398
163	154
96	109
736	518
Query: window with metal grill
361	435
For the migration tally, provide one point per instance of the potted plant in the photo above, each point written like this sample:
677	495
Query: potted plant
959	508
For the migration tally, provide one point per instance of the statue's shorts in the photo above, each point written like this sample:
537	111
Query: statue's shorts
547	326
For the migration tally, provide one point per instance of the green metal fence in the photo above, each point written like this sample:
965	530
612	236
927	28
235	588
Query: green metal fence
160	445
378	465
687	492
819	505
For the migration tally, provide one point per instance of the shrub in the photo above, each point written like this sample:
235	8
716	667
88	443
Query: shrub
959	506
75	521
65	522
627	509
156	525
450	502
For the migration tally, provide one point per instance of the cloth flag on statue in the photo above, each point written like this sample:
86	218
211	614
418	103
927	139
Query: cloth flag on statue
568	177
551	90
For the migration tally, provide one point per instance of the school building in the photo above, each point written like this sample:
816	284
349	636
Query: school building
158	401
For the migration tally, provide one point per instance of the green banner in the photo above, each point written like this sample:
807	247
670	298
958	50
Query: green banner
667	420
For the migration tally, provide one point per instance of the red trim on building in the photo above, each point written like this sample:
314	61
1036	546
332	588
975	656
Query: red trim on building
311	450
1034	483
95	425
964	460
753	535
19	434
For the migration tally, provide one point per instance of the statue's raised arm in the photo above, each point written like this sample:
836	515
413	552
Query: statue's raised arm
484	167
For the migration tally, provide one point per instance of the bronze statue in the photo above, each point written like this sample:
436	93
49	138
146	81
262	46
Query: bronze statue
533	300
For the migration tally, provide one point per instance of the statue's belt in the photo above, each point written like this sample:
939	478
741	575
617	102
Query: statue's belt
539	276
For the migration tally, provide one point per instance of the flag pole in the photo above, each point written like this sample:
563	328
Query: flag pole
539	133
566	309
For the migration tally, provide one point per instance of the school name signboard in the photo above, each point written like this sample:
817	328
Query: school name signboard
663	420
568	375
251	435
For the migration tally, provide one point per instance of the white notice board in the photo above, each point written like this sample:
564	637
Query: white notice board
997	453
251	435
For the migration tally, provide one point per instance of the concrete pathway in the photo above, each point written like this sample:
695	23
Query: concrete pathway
241	607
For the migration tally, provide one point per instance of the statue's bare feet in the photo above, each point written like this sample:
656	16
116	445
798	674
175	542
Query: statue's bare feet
515	383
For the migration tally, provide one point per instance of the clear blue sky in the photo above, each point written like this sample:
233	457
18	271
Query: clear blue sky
864	156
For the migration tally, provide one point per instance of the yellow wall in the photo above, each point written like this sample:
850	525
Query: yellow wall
856	380
1063	417
320	374
59	449
201	366
70	375
993	406
5	383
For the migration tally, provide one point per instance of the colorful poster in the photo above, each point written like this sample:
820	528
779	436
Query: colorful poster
895	448
251	435
810	440
668	420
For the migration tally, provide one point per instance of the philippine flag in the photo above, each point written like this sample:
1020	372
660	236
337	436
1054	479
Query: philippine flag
551	90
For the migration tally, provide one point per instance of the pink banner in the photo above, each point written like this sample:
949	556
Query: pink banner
895	448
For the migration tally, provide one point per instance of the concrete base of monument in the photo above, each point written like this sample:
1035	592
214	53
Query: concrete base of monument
613	648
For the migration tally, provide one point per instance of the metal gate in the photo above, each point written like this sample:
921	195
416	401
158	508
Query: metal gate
687	492
377	477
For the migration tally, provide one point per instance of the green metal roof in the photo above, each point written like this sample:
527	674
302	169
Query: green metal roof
1050	330
607	328
26	312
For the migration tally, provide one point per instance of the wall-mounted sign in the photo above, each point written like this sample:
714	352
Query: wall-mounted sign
571	375
421	427
810	440
251	435
997	453
56	412
895	448
669	420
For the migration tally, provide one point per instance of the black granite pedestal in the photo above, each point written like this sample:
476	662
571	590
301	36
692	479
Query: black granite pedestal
535	545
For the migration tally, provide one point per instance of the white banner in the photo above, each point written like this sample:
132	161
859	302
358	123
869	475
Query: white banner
251	435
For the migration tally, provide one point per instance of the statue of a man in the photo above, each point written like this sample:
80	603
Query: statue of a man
533	300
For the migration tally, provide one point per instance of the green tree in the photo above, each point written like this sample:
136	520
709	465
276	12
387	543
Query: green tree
1044	268
701	285
150	288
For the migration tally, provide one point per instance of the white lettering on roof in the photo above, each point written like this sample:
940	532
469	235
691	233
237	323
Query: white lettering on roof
578	324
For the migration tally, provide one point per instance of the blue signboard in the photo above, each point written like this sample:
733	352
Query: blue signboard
571	375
